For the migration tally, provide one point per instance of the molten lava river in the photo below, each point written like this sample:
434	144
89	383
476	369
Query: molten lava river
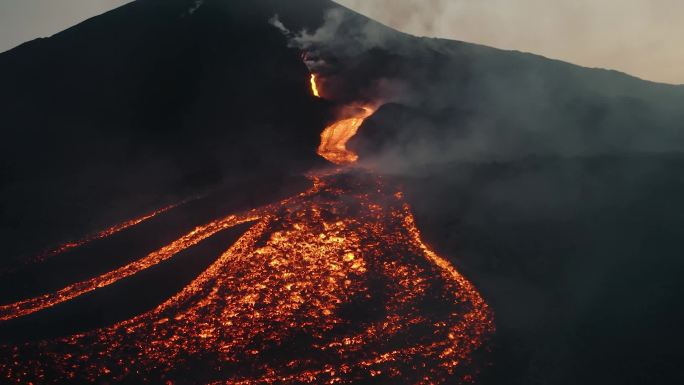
332	286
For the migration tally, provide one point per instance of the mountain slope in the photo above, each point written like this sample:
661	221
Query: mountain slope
555	188
145	103
160	97
449	100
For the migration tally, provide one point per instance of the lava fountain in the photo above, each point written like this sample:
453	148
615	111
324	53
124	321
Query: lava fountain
331	286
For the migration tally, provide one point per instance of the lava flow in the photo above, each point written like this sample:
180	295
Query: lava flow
32	305
331	286
334	138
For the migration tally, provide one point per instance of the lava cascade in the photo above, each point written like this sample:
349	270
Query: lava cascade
334	138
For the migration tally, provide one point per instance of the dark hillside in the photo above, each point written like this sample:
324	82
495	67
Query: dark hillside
146	104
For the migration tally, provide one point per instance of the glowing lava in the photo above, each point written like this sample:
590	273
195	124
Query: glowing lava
93	237
32	305
334	138
314	86
331	286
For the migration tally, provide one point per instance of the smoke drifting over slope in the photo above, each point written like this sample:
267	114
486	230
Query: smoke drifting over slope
528	174
555	186
449	101
640	37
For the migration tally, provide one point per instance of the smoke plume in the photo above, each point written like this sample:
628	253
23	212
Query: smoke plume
448	101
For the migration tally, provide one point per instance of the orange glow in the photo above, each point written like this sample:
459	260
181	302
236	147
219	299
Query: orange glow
32	305
330	286
314	86
313	293
334	138
99	235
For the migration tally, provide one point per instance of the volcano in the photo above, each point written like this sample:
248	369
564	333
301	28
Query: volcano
287	192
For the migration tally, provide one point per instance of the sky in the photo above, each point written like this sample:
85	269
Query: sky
24	20
640	37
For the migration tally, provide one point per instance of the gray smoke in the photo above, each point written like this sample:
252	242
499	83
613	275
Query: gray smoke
449	101
464	102
640	37
197	4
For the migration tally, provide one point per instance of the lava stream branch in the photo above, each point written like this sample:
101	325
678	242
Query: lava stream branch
332	286
95	236
32	305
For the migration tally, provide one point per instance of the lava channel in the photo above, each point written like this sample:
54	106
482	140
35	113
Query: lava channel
333	286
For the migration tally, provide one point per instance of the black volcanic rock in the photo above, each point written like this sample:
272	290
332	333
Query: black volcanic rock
402	129
464	101
579	257
451	100
145	103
